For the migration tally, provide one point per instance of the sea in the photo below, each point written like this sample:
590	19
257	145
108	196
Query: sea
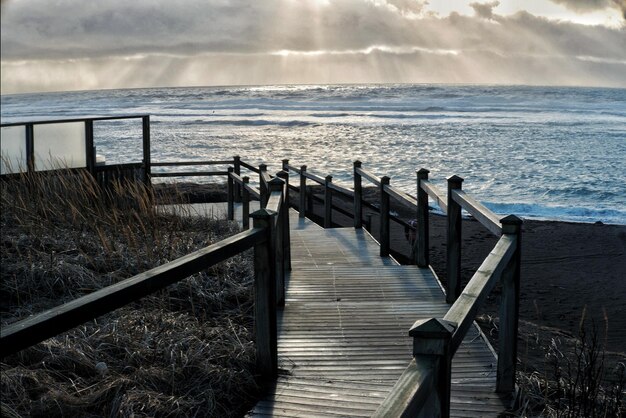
555	153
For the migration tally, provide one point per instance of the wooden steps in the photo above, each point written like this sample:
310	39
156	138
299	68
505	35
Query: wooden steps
343	333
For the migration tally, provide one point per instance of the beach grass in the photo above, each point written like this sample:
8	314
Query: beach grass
187	350
576	379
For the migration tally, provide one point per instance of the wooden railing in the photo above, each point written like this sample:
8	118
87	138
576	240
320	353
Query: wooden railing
424	387
268	236
306	198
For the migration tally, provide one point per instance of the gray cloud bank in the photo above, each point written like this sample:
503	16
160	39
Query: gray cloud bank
70	44
591	5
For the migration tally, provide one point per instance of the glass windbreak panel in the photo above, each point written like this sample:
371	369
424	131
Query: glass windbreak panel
118	141
60	145
13	149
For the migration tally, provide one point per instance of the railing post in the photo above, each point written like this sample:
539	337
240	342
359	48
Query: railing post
453	246
30	148
302	206
423	235
237	166
245	204
262	186
265	297
384	218
368	222
284	174
286	165
285	216
145	128
358	197
90	151
328	203
509	310
278	184
231	195
309	200
431	337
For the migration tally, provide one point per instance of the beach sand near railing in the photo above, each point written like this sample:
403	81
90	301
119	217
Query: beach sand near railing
570	272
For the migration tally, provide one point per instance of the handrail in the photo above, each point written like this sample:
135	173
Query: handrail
304	173
188	163
368	175
189	174
411	391
464	309
320	180
314	177
435	194
267	177
254	192
54	321
342	190
236	178
275	201
73	120
250	167
479	211
402	197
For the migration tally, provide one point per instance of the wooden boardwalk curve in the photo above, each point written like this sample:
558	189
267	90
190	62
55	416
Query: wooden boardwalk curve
343	333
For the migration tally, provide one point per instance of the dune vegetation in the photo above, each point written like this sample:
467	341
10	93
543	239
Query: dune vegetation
186	351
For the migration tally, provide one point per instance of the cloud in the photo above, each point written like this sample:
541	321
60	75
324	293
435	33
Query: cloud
484	10
583	6
408	6
68	42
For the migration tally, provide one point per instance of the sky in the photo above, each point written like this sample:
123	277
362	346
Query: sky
58	45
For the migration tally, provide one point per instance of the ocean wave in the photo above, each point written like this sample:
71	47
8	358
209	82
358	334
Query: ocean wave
257	122
333	115
564	213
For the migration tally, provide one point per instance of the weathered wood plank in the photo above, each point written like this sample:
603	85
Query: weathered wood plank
435	194
189	173
402	197
315	178
368	175
189	163
479	211
249	167
464	309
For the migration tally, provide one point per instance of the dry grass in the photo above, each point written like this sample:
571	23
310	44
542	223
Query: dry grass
578	377
186	351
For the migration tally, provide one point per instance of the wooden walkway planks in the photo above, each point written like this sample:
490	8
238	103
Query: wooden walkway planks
343	334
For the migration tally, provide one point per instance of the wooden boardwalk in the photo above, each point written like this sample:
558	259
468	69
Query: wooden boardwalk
343	334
